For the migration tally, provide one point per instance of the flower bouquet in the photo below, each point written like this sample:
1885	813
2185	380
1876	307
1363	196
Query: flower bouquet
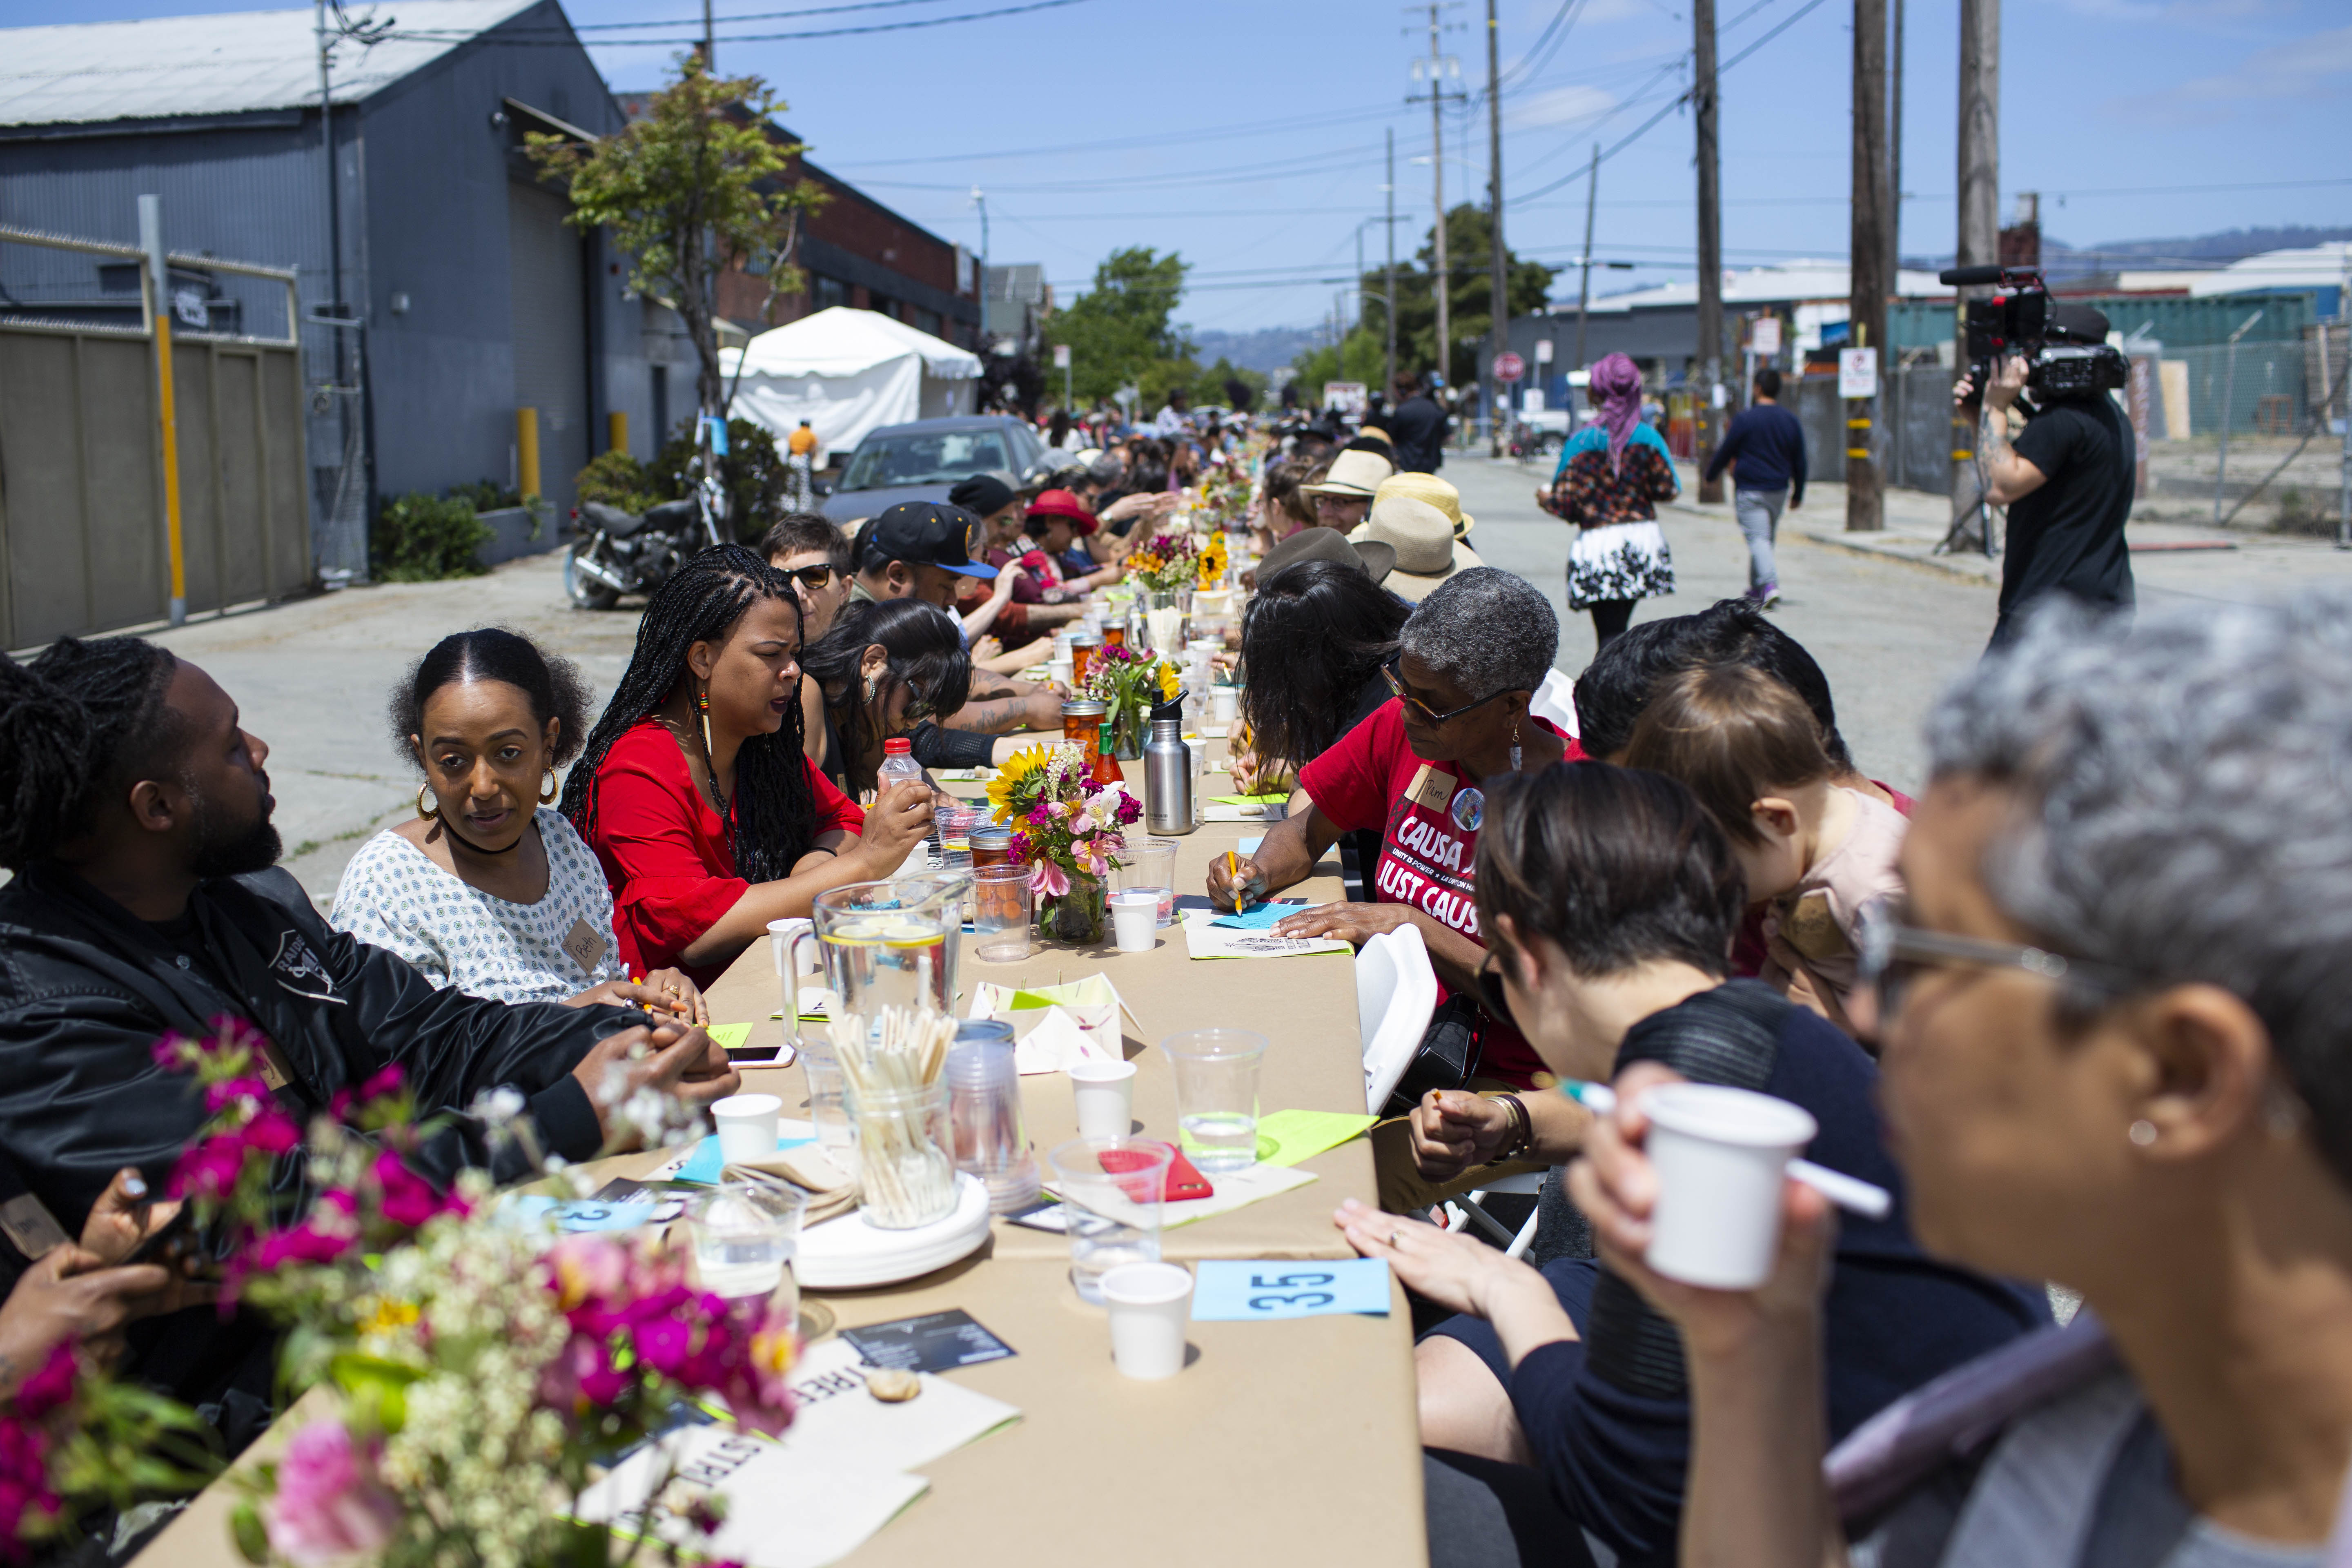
1167	564
1066	832
1225	492
476	1367
72	1439
1130	684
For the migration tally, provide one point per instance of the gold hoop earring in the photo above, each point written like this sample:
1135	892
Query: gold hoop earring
547	796
428	815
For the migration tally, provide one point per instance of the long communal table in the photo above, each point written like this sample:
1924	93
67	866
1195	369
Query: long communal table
1289	1441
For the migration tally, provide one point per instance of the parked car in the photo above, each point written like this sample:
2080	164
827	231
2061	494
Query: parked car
924	460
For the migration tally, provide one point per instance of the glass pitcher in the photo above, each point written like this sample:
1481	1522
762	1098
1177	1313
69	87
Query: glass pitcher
892	945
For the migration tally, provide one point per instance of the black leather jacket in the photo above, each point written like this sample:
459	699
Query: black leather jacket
86	990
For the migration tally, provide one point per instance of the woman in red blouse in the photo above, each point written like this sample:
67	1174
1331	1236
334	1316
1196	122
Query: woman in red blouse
694	790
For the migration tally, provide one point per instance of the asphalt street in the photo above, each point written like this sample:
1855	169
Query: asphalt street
313	675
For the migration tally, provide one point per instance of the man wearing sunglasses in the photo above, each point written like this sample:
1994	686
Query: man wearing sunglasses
814	553
1471	658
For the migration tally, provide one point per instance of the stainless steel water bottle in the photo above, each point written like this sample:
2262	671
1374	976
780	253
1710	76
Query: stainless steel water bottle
1168	774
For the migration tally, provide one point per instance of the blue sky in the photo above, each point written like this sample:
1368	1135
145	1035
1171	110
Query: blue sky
1247	133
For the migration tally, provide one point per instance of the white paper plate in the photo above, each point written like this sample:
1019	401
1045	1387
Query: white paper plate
847	1254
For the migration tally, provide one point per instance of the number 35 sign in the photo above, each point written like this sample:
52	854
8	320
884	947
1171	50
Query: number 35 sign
1229	1290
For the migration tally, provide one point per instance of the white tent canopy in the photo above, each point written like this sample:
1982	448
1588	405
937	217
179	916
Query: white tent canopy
847	372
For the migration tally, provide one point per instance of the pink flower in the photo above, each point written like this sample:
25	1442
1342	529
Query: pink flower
665	1344
51	1386
272	1131
1083	824
409	1198
209	1169
1049	880
327	1506
388	1081
247	1091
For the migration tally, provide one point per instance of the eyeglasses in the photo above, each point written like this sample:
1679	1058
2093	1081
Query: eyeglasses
815	579
1324	503
1892	955
1396	684
1491	994
919	707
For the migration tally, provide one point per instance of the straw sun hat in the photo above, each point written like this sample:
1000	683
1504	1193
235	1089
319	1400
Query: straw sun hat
1429	487
1356	474
1422	538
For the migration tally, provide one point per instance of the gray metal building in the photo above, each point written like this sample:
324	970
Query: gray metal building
468	296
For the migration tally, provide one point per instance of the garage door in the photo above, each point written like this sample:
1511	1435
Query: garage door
550	334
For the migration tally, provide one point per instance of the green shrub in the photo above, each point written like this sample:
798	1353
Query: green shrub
423	538
487	494
616	479
753	471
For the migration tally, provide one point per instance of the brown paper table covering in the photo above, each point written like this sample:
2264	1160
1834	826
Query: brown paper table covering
1285	1441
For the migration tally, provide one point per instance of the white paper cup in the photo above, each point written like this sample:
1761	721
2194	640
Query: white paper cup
1721	1156
1135	919
1061	671
1105	1093
747	1126
1150	1304
1224	702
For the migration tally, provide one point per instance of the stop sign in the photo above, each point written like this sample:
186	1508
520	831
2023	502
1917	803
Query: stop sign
1509	366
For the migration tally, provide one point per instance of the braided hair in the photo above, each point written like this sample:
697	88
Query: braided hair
774	810
72	722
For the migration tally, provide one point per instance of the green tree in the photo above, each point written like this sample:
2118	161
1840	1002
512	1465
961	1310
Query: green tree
1468	237
1122	330
692	190
1210	385
1358	356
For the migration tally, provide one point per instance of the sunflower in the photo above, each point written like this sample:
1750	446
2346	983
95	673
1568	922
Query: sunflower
1169	685
1009	779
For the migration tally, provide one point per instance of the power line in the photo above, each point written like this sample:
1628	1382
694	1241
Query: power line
516	39
751	16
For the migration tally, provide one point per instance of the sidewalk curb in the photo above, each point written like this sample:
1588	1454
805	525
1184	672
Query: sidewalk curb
1942	565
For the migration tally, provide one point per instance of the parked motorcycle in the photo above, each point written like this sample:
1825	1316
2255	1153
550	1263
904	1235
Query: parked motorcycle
622	553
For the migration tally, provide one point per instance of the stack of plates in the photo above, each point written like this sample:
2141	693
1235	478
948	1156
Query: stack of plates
848	1254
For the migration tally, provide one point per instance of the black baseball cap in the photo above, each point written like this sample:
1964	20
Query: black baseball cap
924	534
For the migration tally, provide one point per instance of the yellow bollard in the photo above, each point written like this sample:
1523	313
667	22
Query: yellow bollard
527	451
616	430
168	406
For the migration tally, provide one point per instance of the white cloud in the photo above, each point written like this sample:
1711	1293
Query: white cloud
2305	67
1558	106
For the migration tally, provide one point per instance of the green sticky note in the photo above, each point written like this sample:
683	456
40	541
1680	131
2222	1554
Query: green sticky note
733	1037
1275	799
1302	1135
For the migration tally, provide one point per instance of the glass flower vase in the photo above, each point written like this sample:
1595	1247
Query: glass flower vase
1076	915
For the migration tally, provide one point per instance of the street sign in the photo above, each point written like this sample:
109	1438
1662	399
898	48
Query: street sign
1857	373
1352	398
1543	350
1764	336
1061	357
1509	366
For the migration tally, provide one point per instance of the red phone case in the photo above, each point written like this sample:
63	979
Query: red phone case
1184	1181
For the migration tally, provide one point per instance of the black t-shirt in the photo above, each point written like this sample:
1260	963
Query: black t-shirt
1417	430
2068	536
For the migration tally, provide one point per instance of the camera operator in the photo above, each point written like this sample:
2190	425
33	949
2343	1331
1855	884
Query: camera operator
2066	480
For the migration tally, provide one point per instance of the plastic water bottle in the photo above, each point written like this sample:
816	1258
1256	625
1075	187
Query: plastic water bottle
899	766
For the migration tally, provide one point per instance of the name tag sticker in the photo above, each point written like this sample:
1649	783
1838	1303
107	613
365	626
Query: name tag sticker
30	1228
585	945
1431	788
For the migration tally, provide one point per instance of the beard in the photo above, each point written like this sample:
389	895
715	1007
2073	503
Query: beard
228	849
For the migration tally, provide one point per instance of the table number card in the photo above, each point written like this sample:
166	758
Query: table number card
1226	1290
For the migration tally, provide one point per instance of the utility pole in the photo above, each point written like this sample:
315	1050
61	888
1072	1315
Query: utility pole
1442	278
1979	229
1710	247
1498	298
2344	498
1895	155
1584	282
709	52
1866	253
1388	386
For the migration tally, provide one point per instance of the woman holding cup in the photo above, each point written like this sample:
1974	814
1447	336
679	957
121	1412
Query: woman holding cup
2114	1054
1610	901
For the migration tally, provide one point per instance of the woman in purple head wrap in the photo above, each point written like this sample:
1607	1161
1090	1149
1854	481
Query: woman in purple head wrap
1611	474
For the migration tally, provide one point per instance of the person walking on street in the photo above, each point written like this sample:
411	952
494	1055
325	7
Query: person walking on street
1417	427
1612	475
800	470
1765	450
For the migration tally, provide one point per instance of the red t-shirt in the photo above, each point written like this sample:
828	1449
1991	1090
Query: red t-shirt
1365	782
664	852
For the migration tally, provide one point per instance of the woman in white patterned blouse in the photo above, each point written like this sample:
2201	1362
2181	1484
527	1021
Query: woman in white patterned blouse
482	891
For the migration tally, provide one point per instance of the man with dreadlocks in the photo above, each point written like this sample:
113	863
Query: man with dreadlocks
695	790
134	809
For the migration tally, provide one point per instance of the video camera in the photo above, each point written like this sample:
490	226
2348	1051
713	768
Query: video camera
2018	319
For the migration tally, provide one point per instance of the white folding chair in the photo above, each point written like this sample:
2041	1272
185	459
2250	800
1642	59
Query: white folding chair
1556	700
1396	991
1473	1210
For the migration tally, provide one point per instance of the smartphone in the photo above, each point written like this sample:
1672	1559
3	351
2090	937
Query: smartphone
171	1244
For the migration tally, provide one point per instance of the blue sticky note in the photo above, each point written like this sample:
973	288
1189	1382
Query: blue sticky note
1261	917
586	1214
1241	1291
704	1165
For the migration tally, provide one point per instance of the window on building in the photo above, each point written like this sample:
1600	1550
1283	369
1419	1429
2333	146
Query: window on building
928	322
885	304
826	293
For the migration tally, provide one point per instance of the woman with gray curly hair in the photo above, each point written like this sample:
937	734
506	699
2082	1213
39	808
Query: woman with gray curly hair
2115	1056
1470	658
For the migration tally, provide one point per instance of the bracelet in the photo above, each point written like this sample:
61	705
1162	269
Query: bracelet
1522	1133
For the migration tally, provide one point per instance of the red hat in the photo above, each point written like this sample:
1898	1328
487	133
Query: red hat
1063	504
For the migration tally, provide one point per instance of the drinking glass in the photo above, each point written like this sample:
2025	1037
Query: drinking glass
1216	1094
892	945
984	1100
905	1154
1111	1190
820	1069
1152	867
1001	913
745	1234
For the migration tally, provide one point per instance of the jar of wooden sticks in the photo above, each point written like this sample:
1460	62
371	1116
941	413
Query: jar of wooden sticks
896	1097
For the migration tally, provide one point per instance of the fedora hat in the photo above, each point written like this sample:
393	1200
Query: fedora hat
1374	559
1436	492
1422	538
1353	474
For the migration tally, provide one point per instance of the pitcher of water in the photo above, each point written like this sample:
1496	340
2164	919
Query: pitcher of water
892	945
